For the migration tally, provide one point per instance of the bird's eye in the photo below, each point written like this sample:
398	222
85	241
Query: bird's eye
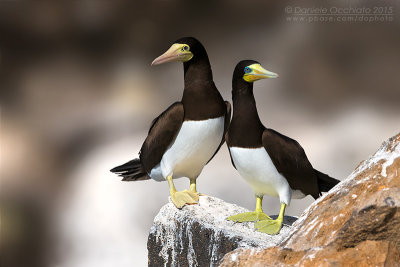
247	70
185	48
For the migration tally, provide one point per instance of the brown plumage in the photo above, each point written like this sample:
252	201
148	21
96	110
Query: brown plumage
162	133
247	131
291	161
201	100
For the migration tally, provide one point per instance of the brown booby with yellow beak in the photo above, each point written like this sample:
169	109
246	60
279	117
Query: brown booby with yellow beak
186	136
271	163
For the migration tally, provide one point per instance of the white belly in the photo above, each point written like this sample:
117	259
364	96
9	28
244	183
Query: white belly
257	168
193	147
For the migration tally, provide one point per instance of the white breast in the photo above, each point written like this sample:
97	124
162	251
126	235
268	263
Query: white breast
257	168
193	147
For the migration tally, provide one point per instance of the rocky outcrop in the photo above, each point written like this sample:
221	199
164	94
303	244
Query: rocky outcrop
366	253
199	235
357	223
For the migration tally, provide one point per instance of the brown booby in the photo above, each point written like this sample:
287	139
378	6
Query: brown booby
186	136
271	163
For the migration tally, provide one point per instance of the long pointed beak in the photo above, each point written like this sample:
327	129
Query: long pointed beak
174	53
170	55
262	73
257	73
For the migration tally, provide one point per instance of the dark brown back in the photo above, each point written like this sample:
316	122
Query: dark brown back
291	161
162	133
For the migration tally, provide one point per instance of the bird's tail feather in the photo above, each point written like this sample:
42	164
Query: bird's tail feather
325	182
131	171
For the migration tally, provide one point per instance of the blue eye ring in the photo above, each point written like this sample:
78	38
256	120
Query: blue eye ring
247	70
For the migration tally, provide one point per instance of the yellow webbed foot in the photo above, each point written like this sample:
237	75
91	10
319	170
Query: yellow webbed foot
183	198
194	195
193	190
271	227
249	217
254	216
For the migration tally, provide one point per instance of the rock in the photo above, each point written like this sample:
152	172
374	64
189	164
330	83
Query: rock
200	235
359	217
366	253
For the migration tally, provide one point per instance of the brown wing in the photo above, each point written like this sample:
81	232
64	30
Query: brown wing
162	133
230	155
291	161
226	127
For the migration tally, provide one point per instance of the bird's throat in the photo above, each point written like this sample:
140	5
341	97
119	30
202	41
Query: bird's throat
244	104
196	70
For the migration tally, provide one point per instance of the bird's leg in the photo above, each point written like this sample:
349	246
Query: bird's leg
192	189
254	216
272	227
180	198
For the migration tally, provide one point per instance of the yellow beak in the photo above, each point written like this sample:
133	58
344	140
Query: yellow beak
257	73
175	53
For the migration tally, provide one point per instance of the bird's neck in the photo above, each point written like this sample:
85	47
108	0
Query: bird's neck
197	69
201	98
244	104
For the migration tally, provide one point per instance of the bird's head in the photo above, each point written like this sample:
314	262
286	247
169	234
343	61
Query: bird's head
251	71
183	50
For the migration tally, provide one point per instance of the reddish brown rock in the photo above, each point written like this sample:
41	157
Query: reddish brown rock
365	206
367	253
357	223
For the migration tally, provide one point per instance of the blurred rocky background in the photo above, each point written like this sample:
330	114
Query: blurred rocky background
78	94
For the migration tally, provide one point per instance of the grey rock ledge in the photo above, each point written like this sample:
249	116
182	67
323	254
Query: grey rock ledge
200	235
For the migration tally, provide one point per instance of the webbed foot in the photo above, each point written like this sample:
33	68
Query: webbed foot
185	197
249	217
271	227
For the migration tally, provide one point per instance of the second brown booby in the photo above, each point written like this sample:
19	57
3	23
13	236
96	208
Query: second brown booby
186	136
271	163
